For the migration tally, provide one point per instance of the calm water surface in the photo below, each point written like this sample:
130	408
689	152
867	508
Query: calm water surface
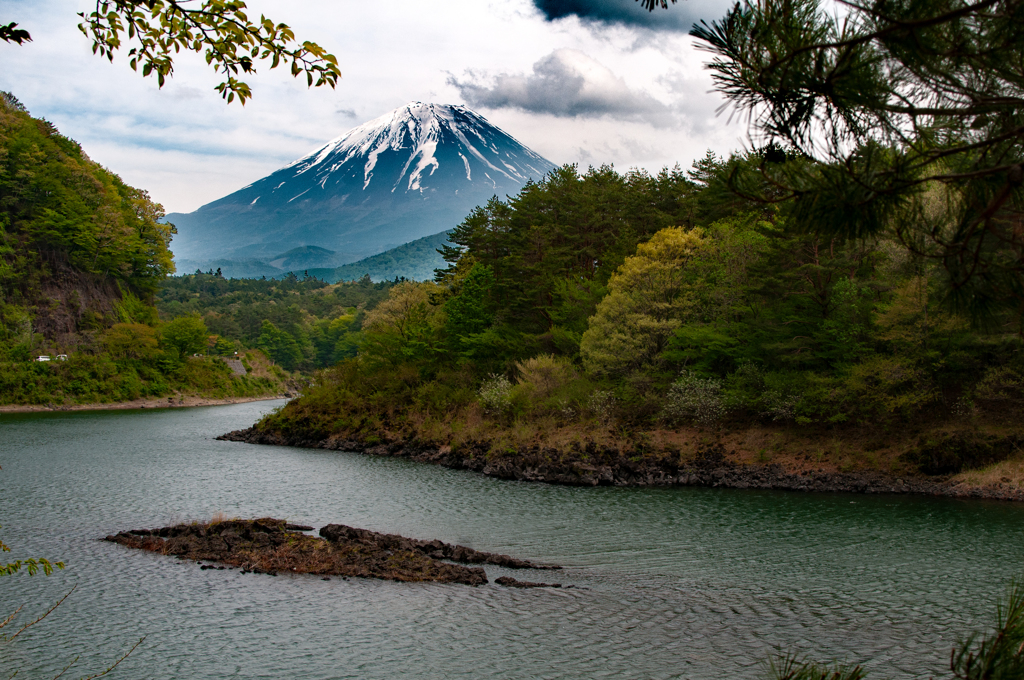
679	583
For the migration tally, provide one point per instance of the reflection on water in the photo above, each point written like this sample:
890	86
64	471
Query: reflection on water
690	583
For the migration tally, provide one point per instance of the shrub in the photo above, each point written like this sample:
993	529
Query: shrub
962	451
745	387
1001	383
567	411
695	398
601	405
496	394
963	407
545	374
777	406
888	385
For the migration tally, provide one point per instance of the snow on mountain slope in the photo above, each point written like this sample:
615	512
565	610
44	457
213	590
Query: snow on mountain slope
415	171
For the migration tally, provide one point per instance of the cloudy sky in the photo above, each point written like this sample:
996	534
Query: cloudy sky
578	81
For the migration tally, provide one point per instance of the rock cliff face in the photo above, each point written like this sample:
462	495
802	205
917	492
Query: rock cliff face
415	171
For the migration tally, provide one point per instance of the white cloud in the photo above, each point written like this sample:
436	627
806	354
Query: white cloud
565	83
187	147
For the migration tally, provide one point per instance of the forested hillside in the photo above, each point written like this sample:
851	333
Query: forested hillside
74	236
636	308
300	323
82	255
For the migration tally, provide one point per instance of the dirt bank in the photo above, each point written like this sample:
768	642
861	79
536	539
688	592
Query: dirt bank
710	464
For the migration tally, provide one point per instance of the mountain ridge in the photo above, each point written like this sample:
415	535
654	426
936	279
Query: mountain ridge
415	260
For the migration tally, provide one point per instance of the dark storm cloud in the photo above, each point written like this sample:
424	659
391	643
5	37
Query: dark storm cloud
566	83
678	17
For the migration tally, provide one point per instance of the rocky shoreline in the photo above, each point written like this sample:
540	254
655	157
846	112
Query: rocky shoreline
271	546
596	466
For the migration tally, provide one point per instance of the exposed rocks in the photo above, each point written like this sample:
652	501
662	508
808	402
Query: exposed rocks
339	533
270	546
510	582
236	366
579	467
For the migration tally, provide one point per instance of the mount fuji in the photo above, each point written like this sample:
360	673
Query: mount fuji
413	172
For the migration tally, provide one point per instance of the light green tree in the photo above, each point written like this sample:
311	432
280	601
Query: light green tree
408	305
186	334
649	297
405	325
131	341
32	566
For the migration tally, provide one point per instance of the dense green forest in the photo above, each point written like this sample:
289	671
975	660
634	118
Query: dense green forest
82	256
300	323
607	302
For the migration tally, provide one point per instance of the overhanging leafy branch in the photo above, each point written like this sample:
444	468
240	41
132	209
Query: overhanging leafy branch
221	29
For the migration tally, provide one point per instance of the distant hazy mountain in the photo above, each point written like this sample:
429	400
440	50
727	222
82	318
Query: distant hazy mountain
231	269
415	261
414	172
304	258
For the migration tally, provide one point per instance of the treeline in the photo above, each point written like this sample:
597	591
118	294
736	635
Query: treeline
653	301
301	323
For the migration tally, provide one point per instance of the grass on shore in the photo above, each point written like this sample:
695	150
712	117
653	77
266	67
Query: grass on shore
971	450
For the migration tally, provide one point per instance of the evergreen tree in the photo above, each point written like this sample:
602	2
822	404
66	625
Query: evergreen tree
880	105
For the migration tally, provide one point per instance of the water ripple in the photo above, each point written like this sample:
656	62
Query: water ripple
679	583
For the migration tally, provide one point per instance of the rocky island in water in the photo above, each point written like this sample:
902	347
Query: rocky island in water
270	546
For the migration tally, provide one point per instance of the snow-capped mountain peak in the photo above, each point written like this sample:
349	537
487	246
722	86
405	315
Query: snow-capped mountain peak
412	172
415	131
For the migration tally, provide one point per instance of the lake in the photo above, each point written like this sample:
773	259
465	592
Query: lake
668	583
